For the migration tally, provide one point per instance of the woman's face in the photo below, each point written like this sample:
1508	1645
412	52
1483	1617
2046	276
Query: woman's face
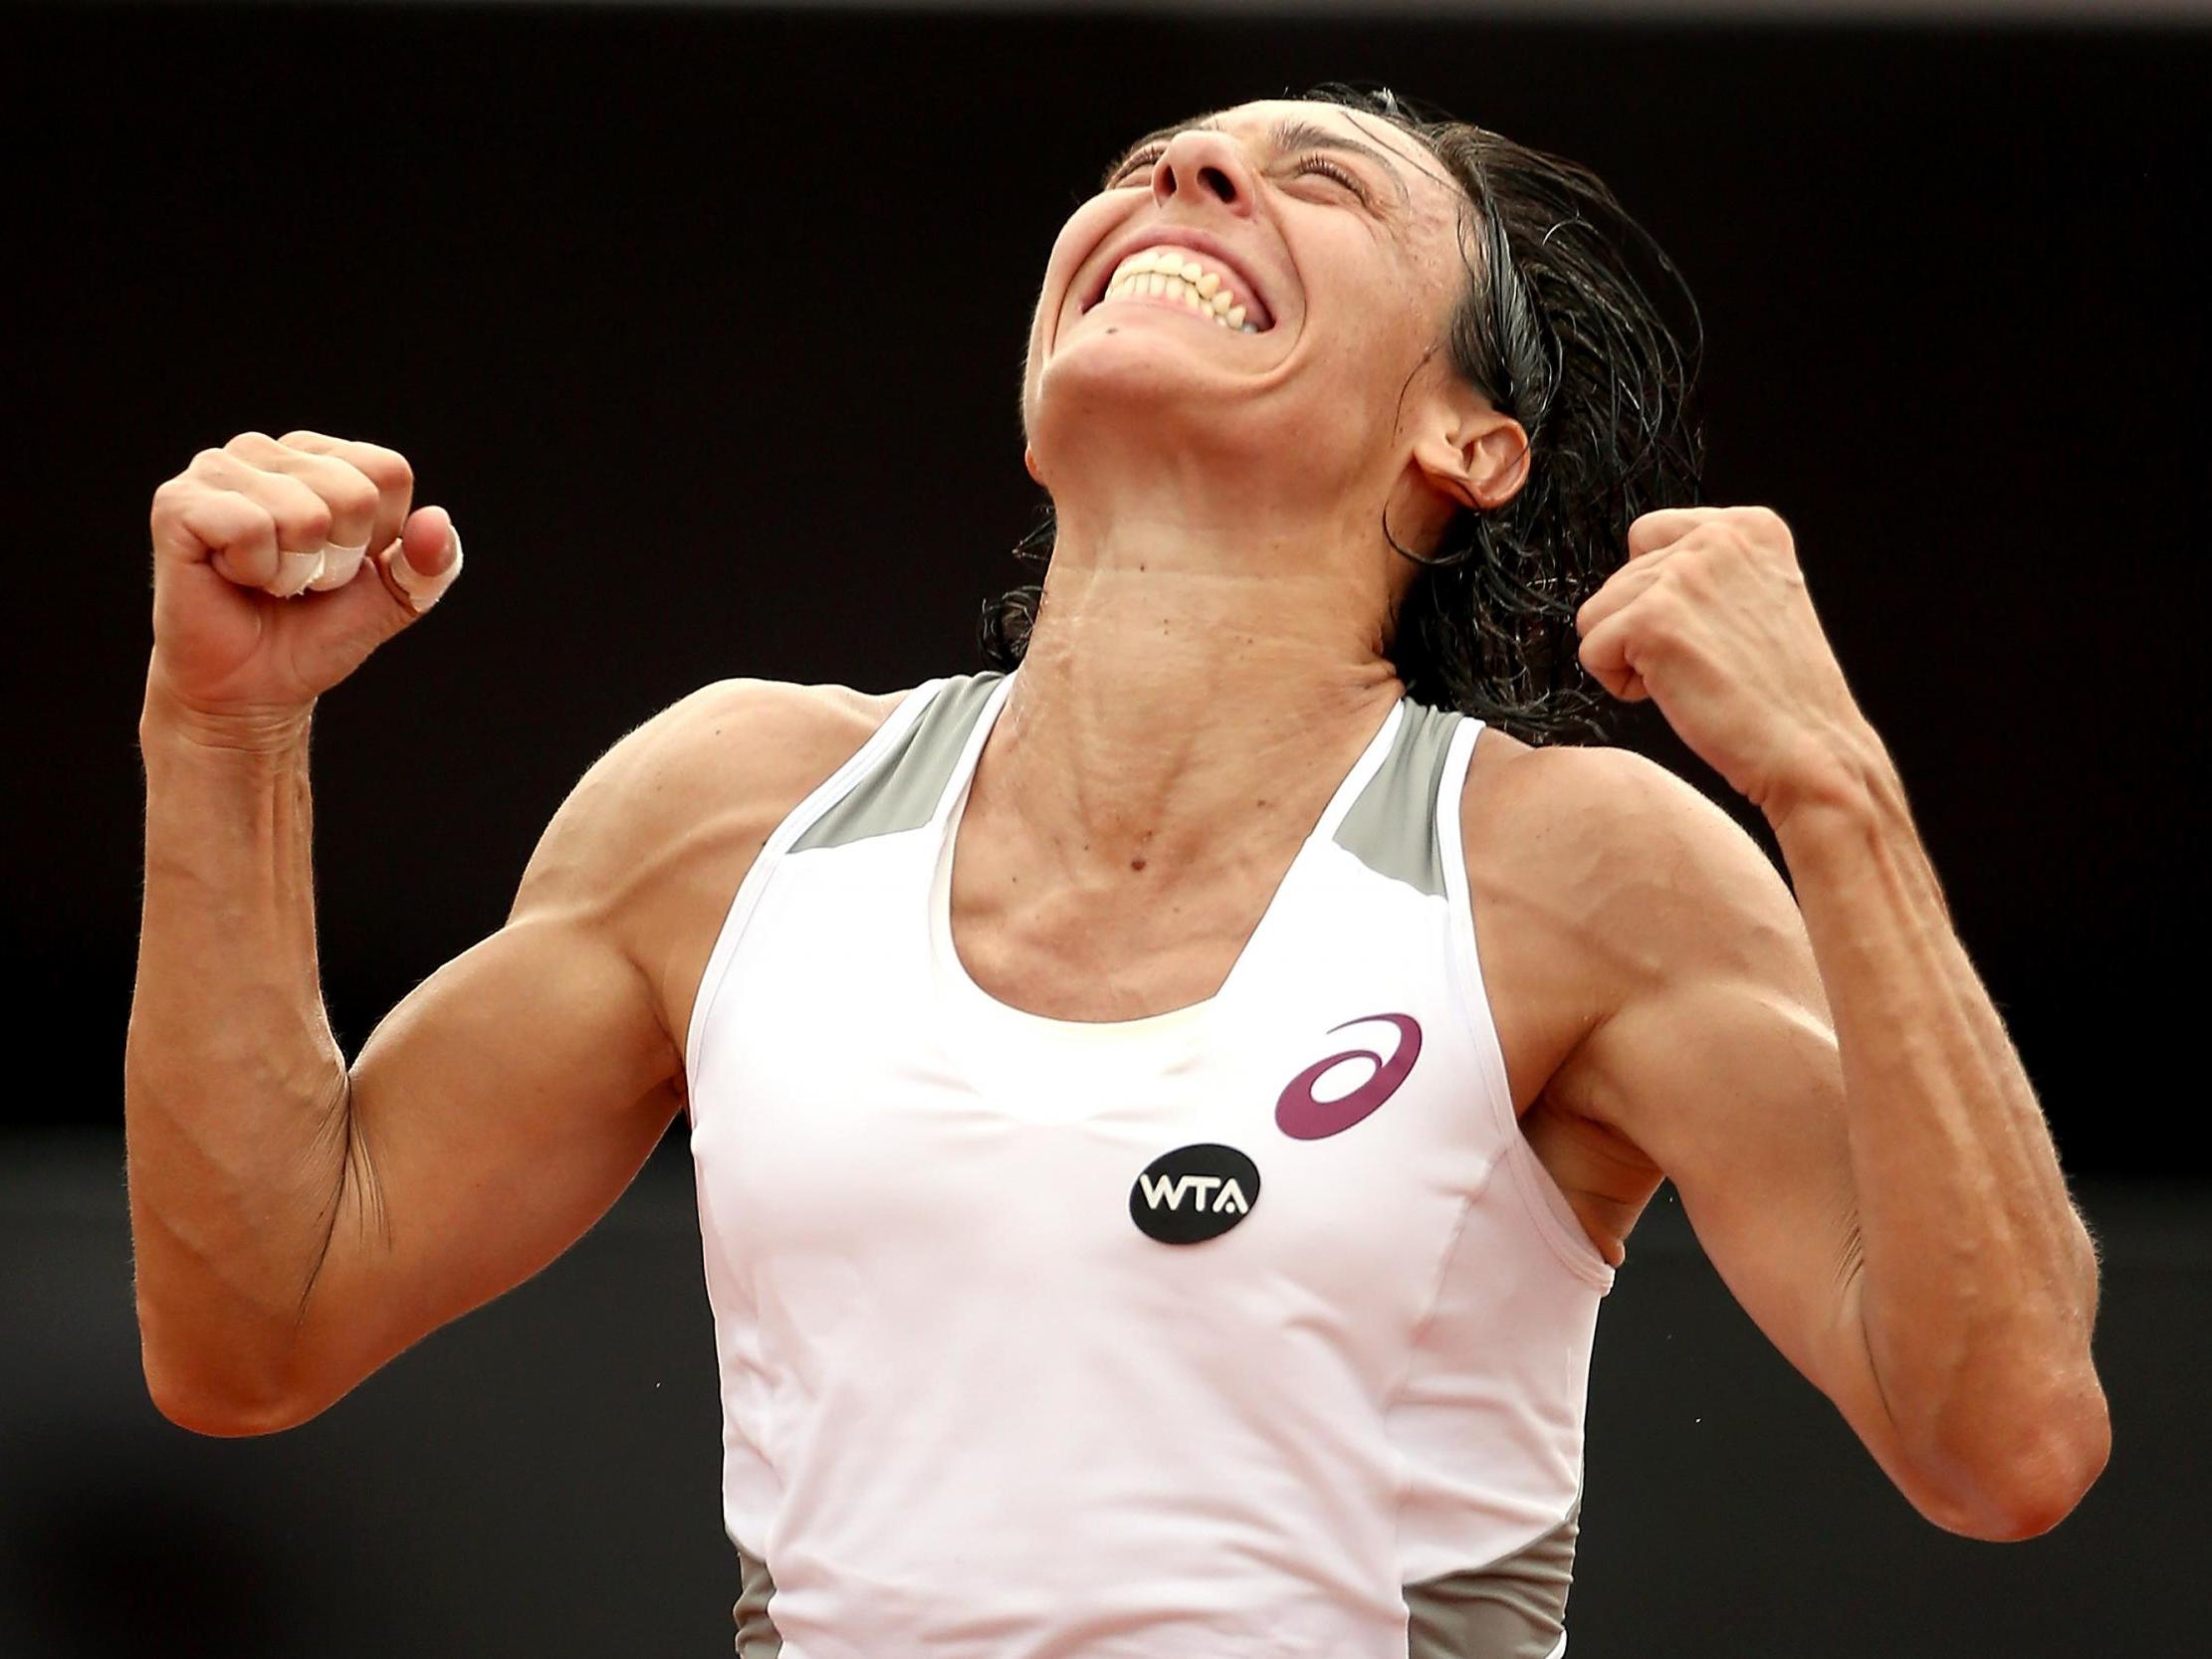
1286	265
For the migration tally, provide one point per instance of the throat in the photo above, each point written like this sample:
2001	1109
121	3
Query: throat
1174	728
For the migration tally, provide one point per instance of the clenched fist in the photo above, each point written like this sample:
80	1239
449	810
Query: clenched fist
1710	618
280	564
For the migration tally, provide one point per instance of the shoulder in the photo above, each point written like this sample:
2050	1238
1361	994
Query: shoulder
711	774
749	736
1620	870
649	846
1611	805
1604	796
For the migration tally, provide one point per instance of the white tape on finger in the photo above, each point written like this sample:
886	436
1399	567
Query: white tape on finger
424	591
295	572
339	567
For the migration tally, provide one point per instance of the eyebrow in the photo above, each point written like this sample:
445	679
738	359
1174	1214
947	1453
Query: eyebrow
1286	136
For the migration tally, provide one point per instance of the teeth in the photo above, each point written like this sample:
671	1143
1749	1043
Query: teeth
1168	274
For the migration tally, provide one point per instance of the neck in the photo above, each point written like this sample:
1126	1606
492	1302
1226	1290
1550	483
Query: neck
1184	680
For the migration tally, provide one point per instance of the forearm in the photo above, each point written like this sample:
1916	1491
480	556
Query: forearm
235	1091
1978	1281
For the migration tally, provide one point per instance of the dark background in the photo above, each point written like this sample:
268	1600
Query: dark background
706	326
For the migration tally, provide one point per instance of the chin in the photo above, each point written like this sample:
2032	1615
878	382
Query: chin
1119	367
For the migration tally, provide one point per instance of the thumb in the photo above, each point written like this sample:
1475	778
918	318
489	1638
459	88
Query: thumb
423	562
410	575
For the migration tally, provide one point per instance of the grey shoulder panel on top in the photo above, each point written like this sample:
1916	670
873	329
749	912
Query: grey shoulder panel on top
1515	1609
903	790
1392	827
758	1637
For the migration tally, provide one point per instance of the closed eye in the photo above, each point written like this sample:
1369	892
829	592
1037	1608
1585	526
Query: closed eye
1125	175
1143	158
1329	169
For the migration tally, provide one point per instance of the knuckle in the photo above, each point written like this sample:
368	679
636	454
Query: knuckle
1762	524
356	497
249	444
387	468
306	517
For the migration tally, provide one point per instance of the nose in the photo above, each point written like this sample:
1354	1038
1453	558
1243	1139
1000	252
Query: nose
1203	167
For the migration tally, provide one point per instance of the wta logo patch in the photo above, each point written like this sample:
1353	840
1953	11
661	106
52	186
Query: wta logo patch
1194	1194
1304	1117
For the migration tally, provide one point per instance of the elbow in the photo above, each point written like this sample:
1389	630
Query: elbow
2047	1468
222	1408
2012	1515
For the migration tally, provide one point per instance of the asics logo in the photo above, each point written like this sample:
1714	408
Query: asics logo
1299	1114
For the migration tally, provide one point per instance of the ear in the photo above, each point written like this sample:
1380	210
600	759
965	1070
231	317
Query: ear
1029	461
1474	456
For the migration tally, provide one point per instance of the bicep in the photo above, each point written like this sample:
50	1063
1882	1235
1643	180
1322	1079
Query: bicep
1722	1069
495	1115
504	1106
1735	1093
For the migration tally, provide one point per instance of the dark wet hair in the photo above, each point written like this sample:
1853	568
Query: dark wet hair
1560	329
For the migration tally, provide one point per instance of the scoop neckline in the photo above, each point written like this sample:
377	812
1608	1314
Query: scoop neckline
1168	1022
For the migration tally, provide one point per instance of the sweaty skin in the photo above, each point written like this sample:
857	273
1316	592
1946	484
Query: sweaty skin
1209	660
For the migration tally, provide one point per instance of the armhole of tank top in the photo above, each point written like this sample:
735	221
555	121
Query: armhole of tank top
794	824
1547	1206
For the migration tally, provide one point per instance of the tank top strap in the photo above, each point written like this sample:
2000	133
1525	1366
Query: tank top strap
908	786
1391	824
893	782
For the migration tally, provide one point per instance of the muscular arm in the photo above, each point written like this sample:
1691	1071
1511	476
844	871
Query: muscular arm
298	1222
1850	1130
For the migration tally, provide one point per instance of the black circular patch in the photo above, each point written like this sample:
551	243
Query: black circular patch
1194	1194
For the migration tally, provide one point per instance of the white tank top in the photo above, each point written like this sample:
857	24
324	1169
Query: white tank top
1249	1330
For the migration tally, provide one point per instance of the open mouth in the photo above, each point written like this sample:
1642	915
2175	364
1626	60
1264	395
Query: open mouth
1201	285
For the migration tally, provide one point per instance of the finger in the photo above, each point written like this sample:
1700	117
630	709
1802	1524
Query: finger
424	561
353	496
302	518
1666	526
1608	653
375	607
221	527
1620	589
386	468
